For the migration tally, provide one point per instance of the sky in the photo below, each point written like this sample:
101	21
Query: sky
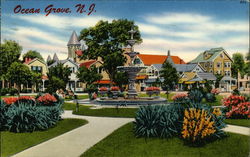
185	27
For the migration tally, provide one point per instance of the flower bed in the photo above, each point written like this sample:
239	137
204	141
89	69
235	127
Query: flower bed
152	90
215	91
237	107
180	97
114	88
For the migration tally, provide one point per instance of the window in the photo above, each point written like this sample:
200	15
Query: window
37	69
211	71
218	64
211	65
225	64
229	64
137	61
227	73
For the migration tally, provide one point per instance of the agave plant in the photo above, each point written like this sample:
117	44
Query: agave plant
195	96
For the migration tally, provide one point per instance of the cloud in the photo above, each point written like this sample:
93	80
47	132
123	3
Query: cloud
62	22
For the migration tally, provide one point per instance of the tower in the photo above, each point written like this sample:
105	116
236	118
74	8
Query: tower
73	46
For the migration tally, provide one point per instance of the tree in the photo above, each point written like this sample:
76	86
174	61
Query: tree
10	52
218	79
238	64
19	74
105	41
89	76
157	82
32	54
121	79
36	79
54	84
247	64
170	76
60	71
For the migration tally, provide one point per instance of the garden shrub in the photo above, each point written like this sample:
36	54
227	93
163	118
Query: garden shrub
195	96
12	91
4	91
180	97
210	97
237	107
25	100
47	100
3	119
157	121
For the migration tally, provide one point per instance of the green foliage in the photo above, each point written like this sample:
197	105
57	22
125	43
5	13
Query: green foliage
236	92
210	97
169	74
28	118
61	72
11	91
121	79
54	84
3	119
10	52
19	73
195	96
157	82
218	79
105	40
32	54
157	121
238	64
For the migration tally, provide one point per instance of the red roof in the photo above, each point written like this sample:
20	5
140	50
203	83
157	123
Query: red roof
103	82
158	59
27	60
87	64
79	52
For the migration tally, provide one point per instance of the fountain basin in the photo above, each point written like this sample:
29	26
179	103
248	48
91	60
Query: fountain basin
127	102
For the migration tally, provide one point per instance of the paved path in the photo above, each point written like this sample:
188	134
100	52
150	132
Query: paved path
77	141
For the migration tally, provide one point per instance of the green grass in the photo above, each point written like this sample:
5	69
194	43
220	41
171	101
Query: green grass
13	143
103	112
240	122
163	95
216	103
79	97
123	143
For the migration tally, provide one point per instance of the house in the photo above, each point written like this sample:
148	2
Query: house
217	61
243	82
73	83
39	66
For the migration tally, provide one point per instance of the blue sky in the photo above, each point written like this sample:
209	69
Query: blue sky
186	28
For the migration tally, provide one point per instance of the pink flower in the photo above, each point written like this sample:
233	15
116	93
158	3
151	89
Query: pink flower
103	89
114	88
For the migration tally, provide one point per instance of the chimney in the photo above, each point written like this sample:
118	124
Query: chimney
25	60
168	52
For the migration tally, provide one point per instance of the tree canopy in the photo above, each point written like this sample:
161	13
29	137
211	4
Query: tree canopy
169	74
238	64
105	41
10	52
19	73
32	54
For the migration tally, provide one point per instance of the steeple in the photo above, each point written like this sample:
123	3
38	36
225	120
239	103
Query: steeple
55	58
48	58
73	46
73	39
169	59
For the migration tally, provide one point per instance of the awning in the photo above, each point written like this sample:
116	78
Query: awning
141	77
103	82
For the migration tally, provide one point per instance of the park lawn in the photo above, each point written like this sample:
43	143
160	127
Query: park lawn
79	97
240	122
123	143
103	112
163	95
13	143
216	103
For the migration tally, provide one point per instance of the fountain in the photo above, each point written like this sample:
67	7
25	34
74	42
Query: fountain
132	70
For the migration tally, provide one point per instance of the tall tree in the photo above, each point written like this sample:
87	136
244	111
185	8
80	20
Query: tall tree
218	79
19	74
89	76
170	76
247	64
238	64
121	79
10	52
32	54
60	71
105	41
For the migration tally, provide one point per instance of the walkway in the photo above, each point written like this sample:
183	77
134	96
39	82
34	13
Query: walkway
77	141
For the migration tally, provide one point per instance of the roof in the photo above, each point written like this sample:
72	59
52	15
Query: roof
79	52
73	39
228	78
29	61
55	58
184	67
48	58
141	77
62	62
207	76
158	59
103	82
87	64
214	51
188	76
157	66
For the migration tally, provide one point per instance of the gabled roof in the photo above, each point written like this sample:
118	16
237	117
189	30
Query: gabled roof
48	58
73	39
87	64
213	51
33	60
185	67
158	59
157	66
62	62
207	76
55	58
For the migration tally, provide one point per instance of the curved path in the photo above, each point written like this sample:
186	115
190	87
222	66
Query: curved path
77	141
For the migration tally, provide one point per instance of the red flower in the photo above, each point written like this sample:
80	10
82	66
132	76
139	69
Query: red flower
103	89
47	99
114	88
10	100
